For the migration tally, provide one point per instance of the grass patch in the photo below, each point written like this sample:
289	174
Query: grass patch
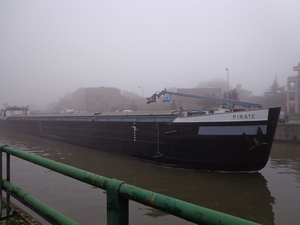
294	117
19	217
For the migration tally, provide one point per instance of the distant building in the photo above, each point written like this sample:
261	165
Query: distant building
293	92
129	101
110	99
65	102
190	103
101	99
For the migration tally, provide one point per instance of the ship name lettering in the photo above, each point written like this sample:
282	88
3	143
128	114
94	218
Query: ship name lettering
244	116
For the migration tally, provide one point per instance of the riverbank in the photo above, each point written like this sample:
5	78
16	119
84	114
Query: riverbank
19	217
288	131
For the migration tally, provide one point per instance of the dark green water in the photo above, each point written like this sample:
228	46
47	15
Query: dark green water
270	196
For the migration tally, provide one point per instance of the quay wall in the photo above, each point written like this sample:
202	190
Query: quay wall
288	132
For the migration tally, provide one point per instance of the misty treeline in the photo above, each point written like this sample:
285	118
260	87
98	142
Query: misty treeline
275	95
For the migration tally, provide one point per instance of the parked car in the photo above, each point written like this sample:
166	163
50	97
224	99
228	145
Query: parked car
283	117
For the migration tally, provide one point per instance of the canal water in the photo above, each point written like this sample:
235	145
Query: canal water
270	196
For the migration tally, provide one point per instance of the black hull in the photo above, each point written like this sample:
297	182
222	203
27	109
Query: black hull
177	144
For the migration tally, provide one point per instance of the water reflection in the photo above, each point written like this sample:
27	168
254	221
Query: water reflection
259	197
283	175
286	156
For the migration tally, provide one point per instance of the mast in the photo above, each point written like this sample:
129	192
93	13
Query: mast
229	102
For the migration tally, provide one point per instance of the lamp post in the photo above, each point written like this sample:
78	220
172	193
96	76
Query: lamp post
142	91
227	80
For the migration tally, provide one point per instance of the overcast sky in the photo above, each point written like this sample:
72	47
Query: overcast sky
49	48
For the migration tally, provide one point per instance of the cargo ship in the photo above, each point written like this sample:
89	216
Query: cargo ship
215	139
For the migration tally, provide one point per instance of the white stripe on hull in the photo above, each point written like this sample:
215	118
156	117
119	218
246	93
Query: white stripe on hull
255	115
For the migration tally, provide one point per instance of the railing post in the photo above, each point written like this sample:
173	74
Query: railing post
117	206
8	208
8	211
1	182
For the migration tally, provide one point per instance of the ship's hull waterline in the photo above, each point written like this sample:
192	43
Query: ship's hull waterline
238	141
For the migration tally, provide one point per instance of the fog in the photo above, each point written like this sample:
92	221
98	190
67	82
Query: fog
50	48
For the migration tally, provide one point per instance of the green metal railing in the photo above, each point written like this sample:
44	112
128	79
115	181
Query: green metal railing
118	195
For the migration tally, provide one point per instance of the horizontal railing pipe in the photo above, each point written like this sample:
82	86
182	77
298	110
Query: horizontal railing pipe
41	208
70	171
184	210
